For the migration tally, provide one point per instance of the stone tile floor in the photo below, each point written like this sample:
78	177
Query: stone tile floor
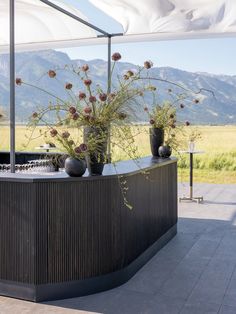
195	273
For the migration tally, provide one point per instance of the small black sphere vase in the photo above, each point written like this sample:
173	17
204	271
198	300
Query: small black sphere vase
165	151
156	140
75	167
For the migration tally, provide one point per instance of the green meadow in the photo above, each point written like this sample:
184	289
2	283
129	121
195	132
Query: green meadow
216	165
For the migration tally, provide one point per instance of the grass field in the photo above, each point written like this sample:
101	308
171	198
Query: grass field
216	165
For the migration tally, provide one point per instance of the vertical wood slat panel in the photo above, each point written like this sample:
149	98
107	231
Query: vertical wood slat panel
92	233
17	227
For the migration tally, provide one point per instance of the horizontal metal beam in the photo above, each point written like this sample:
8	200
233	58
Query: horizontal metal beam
75	17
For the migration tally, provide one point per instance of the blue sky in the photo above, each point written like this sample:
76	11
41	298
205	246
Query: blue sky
207	55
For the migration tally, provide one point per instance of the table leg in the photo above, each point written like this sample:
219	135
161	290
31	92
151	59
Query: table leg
191	175
192	198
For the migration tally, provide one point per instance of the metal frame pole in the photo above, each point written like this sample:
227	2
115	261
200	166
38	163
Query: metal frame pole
12	85
109	65
75	17
108	91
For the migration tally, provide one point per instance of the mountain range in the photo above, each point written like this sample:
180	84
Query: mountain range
32	67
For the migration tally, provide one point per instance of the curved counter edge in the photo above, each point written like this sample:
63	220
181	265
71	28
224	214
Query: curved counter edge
127	167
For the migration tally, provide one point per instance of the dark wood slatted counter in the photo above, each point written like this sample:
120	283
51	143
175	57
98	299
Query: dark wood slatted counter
63	237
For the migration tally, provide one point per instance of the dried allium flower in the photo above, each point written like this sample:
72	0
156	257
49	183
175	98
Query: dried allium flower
112	95
72	110
18	81
87	110
82	148
148	64
75	116
71	142
103	97
116	56
85	68
92	99
65	135
82	95
187	123
51	73
68	86
35	115
172	116
130	73
87	82
53	132
152	88
122	116
145	108
152	121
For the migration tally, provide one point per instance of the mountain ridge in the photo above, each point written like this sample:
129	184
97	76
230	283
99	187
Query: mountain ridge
33	66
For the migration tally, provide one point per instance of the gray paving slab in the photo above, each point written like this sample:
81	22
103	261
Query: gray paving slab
227	310
194	274
200	308
230	294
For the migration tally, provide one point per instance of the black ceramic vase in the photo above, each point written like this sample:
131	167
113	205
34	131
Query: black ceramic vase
156	140
164	151
75	167
97	158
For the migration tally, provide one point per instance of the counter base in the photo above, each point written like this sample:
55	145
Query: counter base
71	289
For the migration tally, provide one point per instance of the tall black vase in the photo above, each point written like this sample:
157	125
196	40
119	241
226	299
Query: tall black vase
156	140
97	136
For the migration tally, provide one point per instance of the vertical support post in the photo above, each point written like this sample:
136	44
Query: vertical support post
191	175
12	85
108	91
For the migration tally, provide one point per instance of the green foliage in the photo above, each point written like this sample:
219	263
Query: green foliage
213	161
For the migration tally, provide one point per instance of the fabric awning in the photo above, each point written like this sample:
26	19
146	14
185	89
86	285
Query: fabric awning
38	26
172	19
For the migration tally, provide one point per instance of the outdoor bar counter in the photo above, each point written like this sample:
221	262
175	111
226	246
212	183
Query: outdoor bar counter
63	237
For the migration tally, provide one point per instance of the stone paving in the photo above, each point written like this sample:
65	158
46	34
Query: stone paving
195	273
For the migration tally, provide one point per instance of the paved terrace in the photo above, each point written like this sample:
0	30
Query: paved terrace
194	274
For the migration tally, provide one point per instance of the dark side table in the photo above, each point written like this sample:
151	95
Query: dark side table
198	199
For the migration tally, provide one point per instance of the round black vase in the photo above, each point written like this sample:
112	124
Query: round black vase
97	158
164	151
156	140
75	167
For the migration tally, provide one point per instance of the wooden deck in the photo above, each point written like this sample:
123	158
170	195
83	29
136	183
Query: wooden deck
194	274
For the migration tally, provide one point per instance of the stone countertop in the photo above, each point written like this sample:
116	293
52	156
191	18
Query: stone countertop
127	167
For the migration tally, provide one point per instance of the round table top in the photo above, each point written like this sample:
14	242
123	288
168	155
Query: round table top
191	152
45	148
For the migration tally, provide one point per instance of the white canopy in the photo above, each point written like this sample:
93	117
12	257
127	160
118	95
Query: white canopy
38	26
165	19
